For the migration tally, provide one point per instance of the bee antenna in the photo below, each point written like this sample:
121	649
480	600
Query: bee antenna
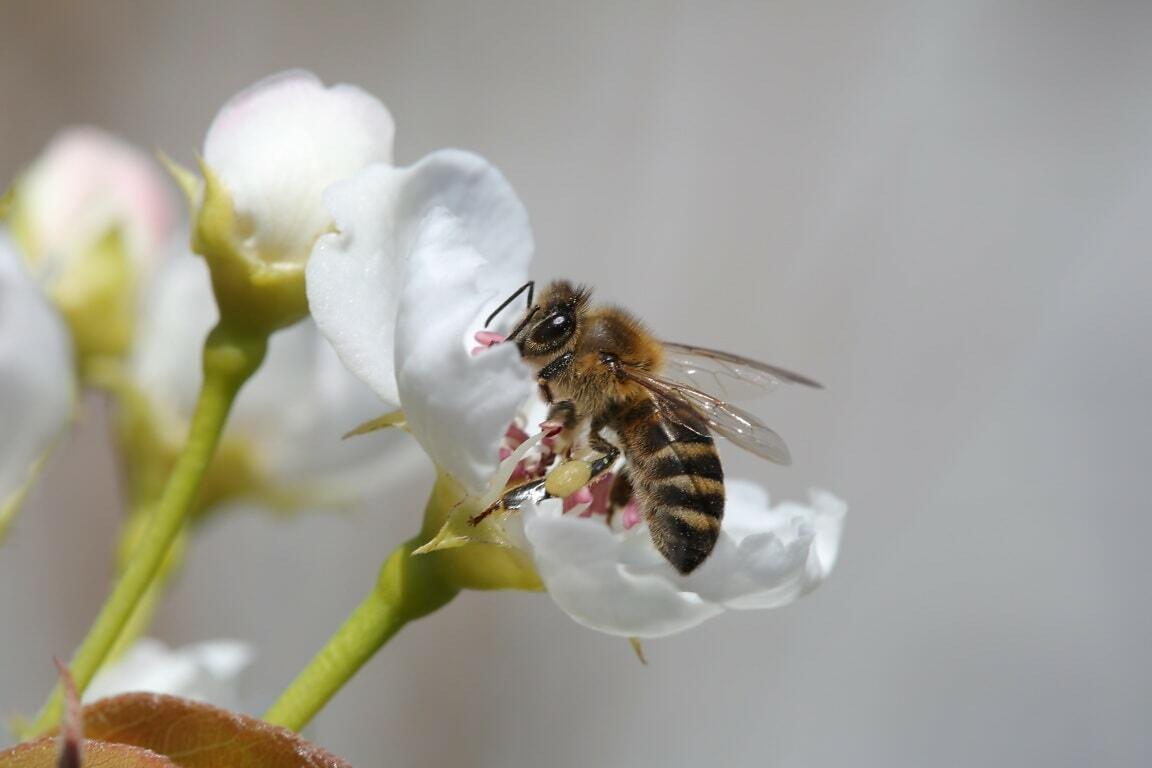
530	286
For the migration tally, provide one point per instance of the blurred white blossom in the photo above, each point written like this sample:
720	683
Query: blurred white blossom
288	420
91	216
85	184
37	379
208	672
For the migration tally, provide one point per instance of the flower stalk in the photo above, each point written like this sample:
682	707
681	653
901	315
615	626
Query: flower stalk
230	358
411	585
408	588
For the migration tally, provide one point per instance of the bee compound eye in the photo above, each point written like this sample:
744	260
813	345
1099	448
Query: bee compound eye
553	328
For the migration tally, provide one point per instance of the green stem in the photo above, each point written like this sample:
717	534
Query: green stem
229	360
407	589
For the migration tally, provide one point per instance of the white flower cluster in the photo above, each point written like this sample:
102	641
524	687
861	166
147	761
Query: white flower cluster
402	265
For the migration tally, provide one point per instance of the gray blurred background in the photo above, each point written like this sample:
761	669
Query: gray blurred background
943	210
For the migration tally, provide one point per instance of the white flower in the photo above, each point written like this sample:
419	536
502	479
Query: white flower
420	258
37	380
611	578
288	419
86	184
421	255
278	144
207	672
91	215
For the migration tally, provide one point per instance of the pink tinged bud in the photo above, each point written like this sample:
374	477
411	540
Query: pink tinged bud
89	182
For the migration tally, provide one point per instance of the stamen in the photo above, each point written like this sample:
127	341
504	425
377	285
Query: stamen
581	497
631	516
486	339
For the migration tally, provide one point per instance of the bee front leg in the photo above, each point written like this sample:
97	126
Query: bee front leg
561	427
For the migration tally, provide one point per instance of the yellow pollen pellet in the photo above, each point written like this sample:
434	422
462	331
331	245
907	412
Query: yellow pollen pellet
568	478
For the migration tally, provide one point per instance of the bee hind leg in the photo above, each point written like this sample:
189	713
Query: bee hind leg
513	499
555	485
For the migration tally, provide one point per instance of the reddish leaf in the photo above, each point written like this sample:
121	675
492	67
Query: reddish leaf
97	754
196	735
72	736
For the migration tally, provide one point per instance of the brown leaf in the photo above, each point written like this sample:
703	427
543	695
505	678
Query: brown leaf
196	735
44	753
72	728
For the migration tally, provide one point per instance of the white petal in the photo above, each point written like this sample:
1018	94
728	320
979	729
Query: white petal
86	183
581	562
354	277
37	384
457	405
280	143
293	411
769	556
207	671
420	256
179	310
296	411
616	582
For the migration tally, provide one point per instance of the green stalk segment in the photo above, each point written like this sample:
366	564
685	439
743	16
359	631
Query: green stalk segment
407	589
229	360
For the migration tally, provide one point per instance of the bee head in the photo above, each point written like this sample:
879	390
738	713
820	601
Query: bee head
553	322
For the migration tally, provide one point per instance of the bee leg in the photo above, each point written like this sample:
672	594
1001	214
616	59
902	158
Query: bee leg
561	427
608	453
537	491
513	499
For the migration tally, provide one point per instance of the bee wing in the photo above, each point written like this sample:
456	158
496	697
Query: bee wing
674	398
736	377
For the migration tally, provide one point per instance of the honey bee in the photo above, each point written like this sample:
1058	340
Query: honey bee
600	367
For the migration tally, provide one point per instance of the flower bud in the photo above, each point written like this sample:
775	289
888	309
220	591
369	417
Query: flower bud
258	208
90	217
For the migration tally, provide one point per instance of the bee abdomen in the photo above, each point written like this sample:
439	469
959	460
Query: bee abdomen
680	486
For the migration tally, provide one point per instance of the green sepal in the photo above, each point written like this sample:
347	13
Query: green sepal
255	295
184	178
96	293
471	557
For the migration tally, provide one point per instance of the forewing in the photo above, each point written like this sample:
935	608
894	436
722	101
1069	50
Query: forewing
725	419
731	376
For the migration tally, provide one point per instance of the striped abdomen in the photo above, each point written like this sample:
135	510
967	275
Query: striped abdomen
677	480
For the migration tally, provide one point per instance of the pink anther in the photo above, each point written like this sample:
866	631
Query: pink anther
582	496
486	339
631	516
